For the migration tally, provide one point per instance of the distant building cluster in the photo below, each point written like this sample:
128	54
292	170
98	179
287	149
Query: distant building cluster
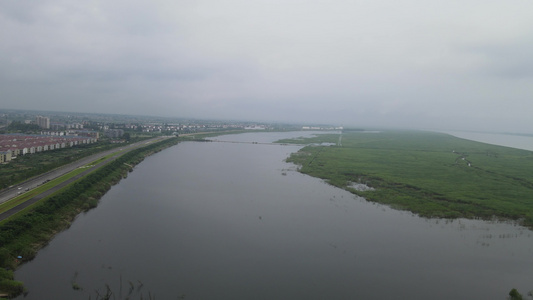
114	133
186	128
73	132
65	126
321	128
255	127
13	145
172	128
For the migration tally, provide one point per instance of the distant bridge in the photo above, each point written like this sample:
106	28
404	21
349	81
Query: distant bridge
257	143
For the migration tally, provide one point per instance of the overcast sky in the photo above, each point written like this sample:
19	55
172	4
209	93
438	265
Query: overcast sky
420	64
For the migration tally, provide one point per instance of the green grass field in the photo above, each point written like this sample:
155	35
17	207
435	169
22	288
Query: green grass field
431	174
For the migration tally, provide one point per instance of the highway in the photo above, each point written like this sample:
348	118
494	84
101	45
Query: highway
13	191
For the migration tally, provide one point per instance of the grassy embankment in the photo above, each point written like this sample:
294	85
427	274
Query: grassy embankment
425	173
24	234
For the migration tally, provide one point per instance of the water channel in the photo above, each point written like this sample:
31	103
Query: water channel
234	221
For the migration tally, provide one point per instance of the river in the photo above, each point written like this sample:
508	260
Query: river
507	140
234	221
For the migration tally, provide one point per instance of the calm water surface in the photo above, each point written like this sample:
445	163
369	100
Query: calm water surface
233	221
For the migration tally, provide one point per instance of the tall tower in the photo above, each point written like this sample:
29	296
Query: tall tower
43	122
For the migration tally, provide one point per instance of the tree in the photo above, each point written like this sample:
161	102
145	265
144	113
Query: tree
515	295
21	127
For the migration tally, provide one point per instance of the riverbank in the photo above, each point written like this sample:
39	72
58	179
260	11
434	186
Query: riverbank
430	174
22	236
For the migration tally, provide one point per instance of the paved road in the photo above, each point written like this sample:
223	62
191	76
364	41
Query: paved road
48	192
9	193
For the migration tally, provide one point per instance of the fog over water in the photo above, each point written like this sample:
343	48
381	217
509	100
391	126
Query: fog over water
234	221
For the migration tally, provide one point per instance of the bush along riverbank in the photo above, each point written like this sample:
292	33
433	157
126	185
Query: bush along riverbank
23	235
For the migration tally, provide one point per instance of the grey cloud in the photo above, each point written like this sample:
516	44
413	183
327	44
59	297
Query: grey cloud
510	60
408	64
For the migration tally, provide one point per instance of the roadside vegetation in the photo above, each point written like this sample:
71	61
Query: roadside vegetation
431	174
24	234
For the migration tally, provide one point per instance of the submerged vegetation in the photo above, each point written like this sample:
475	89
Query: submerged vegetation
431	174
24	234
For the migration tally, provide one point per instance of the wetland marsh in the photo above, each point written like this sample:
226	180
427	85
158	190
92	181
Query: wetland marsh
431	174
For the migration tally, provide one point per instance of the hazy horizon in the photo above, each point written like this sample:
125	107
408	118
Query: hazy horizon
435	65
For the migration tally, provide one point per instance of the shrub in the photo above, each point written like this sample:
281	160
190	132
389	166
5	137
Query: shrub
11	287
